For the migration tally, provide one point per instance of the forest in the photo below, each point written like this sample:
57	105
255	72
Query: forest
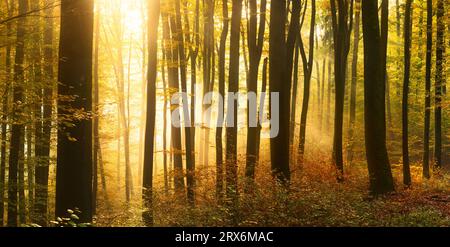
224	113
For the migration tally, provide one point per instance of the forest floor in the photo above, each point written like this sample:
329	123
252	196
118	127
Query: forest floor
314	199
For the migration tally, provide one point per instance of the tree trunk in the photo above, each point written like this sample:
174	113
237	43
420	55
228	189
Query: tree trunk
17	129
261	106
163	74
255	38
4	116
35	96
147	190
279	145
190	169
426	131
233	88
172	56
307	73
294	95
407	61
380	175
21	180
439	82
219	142
354	80
42	169
342	24
74	158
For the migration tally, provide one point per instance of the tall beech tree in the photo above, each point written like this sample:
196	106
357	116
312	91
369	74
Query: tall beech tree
43	160
231	175
439	83
221	109
17	129
190	176
426	130
406	76
4	116
307	59
354	80
380	175
147	180
74	152
279	83
255	39
342	22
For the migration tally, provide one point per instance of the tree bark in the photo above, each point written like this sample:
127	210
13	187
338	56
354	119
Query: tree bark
307	73
255	37
439	82
380	175
17	129
342	25
4	116
74	158
354	81
147	180
190	168
172	55
221	109
407	61
231	175
279	83
426	131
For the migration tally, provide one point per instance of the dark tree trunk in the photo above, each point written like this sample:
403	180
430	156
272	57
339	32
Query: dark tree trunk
35	95
193	54
74	160
261	106
407	61
439	82
426	131
4	116
354	80
147	180
278	83
42	169
380	175
172	56
233	88
190	169
294	95
17	129
255	38
342	19
384	22
307	73
219	142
